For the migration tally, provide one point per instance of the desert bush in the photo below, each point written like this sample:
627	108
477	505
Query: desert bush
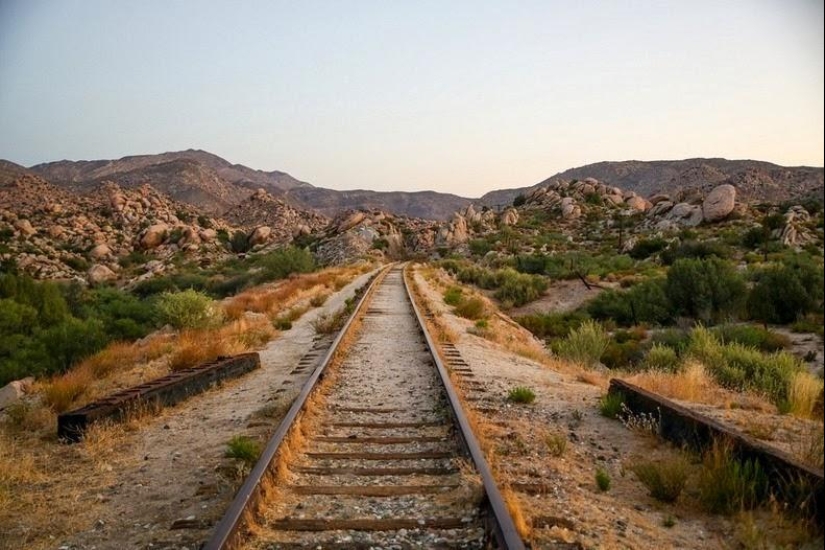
666	479
611	405
318	300
521	394
809	323
239	242
698	250
518	288
728	485
479	247
645	248
623	355
281	263
646	302
243	448
785	292
556	443
188	309
584	345
674	338
471	308
803	392
603	480
706	290
739	367
752	336
552	325
661	358
452	296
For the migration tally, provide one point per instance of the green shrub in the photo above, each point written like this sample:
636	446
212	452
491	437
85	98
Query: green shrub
611	404
664	480
740	367
661	358
471	308
282	263
452	296
243	448
676	339
645	302
699	250
480	247
705	289
645	248
518	288
521	394
602	480
584	345
68	342
785	292
239	242
552	325
188	309
623	355
728	485
751	336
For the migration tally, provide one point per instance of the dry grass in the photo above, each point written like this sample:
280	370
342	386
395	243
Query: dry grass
62	392
804	391
692	383
808	447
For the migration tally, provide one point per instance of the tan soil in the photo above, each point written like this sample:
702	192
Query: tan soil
561	296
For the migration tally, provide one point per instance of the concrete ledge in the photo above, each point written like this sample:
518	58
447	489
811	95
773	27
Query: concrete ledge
164	391
678	424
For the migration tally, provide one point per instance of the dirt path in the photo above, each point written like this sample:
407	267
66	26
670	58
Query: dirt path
171	468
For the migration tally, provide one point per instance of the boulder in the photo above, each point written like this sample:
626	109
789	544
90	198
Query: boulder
100	251
208	235
684	214
638	203
25	227
154	236
260	235
659	197
660	208
351	221
509	217
99	273
719	203
13	392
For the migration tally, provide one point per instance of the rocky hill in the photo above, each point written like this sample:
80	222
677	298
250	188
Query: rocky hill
754	180
215	185
262	209
420	204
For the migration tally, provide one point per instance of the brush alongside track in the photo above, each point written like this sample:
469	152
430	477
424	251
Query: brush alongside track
378	454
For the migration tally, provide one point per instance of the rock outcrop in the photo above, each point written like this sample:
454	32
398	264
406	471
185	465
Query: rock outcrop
719	203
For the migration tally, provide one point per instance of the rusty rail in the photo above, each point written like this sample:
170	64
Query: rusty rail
168	390
498	522
230	531
786	475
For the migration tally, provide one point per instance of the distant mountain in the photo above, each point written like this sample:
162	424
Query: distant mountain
755	180
429	205
215	185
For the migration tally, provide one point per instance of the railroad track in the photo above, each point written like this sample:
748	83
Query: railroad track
375	452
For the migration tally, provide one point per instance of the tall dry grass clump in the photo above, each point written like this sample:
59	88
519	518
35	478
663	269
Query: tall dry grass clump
60	393
691	383
803	394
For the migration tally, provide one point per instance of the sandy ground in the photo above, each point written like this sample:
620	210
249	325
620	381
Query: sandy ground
561	296
174	469
569	508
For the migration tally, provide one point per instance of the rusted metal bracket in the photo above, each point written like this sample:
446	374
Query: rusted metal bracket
164	391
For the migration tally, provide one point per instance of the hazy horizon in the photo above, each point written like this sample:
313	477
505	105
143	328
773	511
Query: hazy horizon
460	98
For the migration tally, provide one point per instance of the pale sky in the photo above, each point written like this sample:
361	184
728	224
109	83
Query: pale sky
456	96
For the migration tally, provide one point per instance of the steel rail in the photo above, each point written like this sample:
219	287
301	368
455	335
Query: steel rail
498	521
228	534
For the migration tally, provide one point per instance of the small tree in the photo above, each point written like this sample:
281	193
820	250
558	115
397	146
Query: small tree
705	289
